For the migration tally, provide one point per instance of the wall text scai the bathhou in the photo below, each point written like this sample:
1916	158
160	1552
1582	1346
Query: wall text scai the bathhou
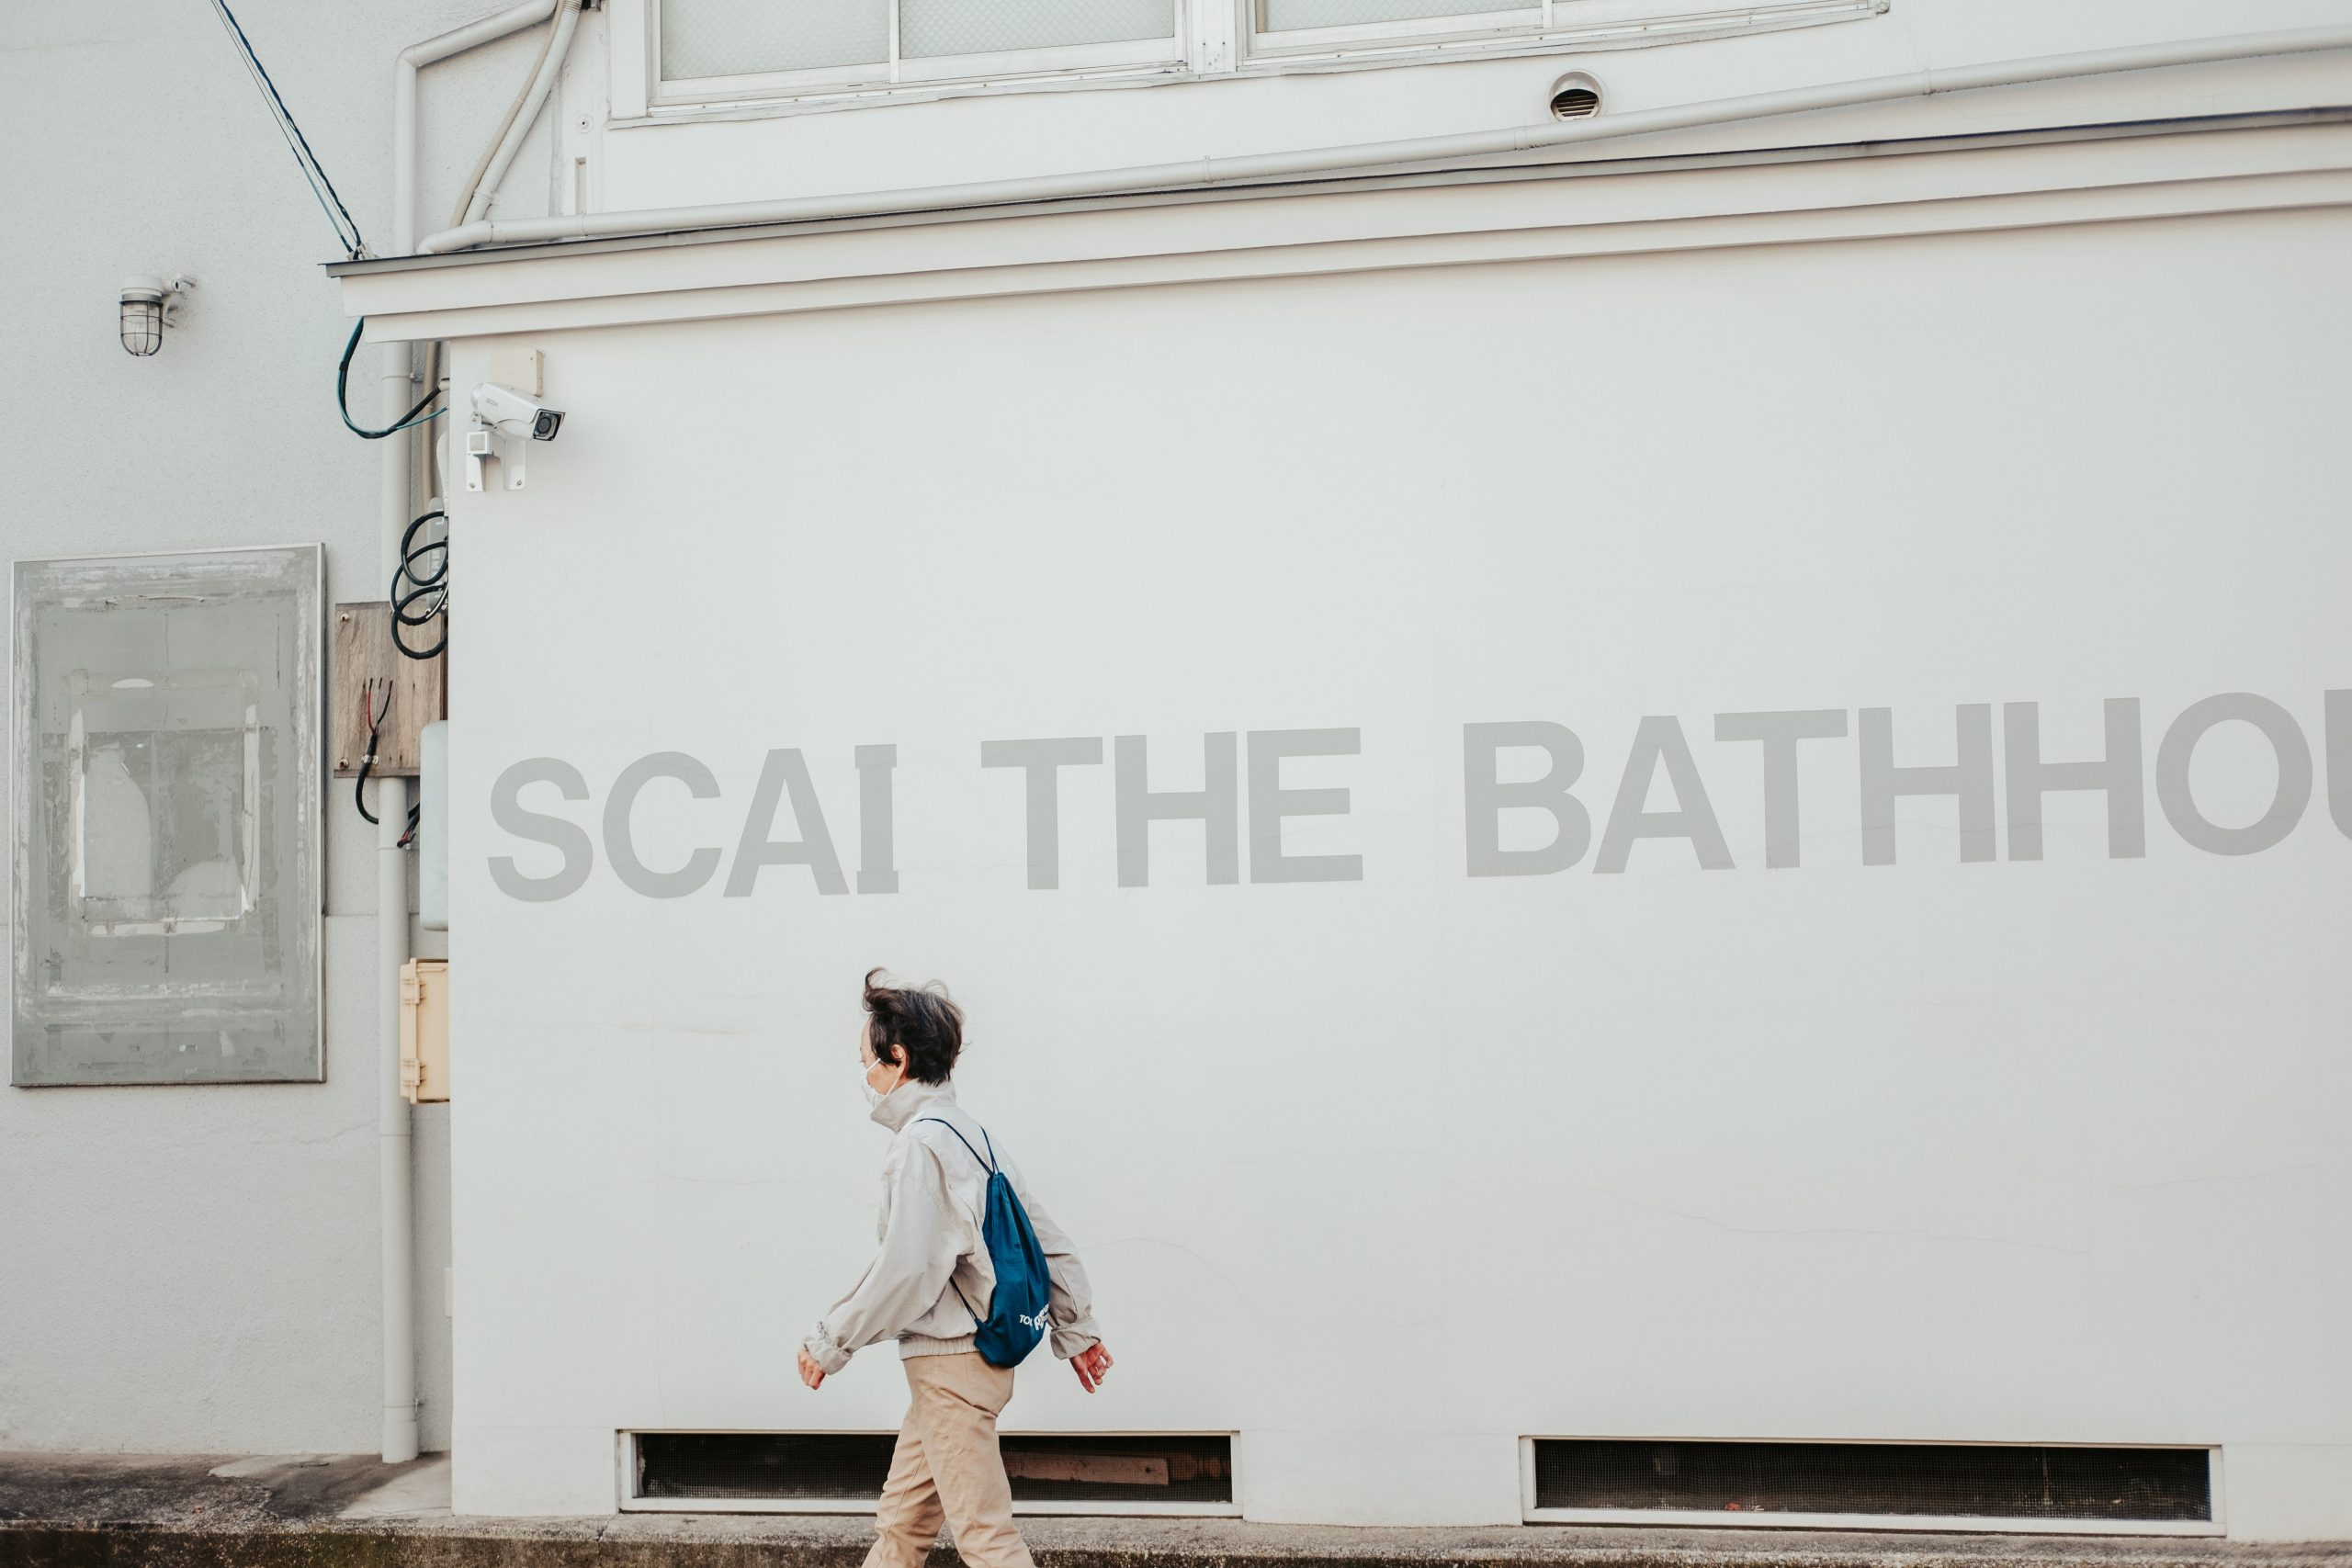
1242	773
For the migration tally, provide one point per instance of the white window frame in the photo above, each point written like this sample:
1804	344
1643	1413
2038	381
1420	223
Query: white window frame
1540	24
1162	55
1213	39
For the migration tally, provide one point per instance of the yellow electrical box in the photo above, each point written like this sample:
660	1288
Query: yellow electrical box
424	1030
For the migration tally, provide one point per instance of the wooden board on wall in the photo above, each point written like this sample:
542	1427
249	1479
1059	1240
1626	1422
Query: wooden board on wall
365	659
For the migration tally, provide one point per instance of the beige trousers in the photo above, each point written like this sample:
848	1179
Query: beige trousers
947	1467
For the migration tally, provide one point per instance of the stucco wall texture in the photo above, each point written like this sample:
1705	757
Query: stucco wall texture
196	1269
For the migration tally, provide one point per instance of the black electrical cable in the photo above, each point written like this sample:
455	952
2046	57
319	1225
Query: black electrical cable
376	716
297	143
375	720
435	586
347	227
343	404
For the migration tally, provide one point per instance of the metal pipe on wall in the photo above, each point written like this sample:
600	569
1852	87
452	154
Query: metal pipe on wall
393	1143
518	124
1194	172
395	1164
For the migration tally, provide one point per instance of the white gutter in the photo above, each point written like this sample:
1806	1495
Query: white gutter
1199	172
519	125
472	35
395	1215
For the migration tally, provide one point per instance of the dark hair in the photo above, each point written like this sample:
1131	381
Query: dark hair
918	1024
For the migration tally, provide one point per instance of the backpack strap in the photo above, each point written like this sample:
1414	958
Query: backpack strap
991	1165
990	1161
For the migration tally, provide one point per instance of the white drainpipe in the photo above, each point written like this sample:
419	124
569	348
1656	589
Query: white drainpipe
392	794
1197	171
519	126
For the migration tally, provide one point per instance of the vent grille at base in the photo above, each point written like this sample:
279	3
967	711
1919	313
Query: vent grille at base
1971	1479
786	1466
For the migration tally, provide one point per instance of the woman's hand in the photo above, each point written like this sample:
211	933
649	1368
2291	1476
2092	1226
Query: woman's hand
810	1372
1090	1364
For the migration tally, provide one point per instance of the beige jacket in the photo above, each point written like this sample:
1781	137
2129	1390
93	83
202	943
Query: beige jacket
934	1190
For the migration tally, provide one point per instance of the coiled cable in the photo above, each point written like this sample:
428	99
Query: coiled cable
432	588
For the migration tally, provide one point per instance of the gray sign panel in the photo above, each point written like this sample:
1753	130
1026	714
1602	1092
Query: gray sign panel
167	824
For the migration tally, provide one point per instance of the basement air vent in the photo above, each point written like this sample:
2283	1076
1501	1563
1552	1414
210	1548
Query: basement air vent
1576	96
1188	1473
1947	1481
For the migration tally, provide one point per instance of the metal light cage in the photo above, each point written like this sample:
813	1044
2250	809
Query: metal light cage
143	316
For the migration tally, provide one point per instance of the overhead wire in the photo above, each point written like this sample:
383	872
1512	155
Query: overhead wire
338	215
347	227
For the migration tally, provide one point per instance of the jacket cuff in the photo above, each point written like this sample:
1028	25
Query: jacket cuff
1071	1338
829	1357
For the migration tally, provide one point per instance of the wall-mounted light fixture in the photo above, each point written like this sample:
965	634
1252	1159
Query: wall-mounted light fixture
149	305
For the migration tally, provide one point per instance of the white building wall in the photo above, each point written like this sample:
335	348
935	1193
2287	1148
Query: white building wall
196	1269
2092	1198
1385	1175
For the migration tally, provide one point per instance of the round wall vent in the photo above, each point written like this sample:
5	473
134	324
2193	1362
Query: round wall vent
1576	96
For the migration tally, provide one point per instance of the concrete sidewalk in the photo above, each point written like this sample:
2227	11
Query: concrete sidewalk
317	1510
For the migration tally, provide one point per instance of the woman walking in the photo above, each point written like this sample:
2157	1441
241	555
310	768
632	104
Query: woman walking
930	1286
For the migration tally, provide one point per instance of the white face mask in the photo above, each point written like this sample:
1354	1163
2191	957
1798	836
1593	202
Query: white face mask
874	1097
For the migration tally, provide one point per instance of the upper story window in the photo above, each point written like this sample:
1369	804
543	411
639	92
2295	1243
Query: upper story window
1307	23
723	47
1289	30
710	51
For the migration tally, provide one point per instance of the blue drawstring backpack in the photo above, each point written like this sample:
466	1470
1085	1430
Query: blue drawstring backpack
1016	1319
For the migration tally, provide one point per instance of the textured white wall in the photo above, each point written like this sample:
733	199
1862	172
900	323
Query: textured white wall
1387	1174
196	1269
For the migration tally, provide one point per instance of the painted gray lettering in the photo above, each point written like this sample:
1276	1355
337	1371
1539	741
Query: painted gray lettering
621	849
784	771
1270	803
2028	778
1780	731
1970	778
1659	739
2339	760
1218	804
1484	800
877	866
2293	793
1040	760
570	838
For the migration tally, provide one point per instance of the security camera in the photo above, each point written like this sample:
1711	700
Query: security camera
494	404
503	419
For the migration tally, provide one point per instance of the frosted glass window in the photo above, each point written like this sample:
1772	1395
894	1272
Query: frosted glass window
167	832
743	37
928	29
1284	16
